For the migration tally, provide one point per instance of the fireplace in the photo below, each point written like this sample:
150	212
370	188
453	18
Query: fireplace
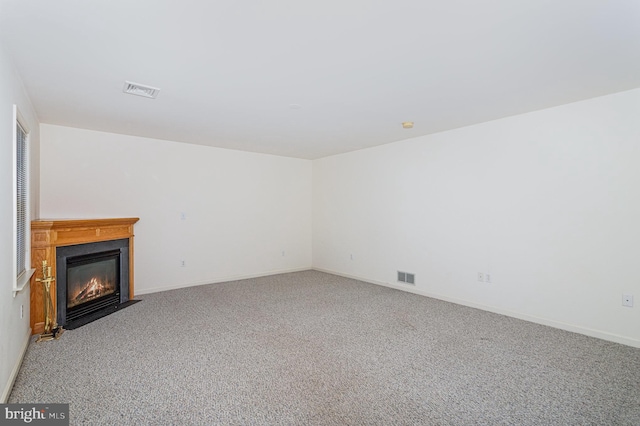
92	281
59	239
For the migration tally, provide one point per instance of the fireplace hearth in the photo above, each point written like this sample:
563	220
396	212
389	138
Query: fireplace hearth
92	281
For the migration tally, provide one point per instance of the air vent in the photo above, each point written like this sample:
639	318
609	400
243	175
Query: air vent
140	90
405	277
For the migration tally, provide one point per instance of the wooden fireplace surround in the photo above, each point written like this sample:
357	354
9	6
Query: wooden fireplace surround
48	235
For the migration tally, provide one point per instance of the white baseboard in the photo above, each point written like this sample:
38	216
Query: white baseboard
217	280
16	368
543	321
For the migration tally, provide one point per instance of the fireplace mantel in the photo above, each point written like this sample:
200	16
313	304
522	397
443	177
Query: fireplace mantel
47	235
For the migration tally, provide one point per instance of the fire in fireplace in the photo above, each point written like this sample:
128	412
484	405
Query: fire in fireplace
92	281
83	291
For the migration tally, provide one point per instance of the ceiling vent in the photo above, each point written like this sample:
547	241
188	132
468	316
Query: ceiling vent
140	90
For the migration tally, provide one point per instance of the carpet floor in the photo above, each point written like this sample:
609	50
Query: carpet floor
311	348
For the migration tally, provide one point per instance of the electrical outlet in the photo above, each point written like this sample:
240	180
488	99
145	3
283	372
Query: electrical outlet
627	300
183	263
480	277
487	277
351	256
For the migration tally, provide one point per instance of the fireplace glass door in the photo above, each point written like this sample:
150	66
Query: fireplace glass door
92	280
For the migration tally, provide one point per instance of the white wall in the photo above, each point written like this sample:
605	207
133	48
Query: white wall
14	331
242	209
547	202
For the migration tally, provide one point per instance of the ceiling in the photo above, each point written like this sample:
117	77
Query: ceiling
312	79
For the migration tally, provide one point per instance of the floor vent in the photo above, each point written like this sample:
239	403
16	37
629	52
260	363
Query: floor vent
405	277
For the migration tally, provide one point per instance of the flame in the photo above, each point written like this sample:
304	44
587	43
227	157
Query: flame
92	289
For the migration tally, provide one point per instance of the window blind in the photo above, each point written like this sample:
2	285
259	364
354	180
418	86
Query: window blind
21	198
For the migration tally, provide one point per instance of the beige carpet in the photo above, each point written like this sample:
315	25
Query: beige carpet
311	348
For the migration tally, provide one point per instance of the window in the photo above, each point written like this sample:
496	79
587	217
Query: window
22	226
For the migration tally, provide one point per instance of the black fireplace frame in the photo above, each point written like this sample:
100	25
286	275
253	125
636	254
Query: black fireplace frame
64	253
